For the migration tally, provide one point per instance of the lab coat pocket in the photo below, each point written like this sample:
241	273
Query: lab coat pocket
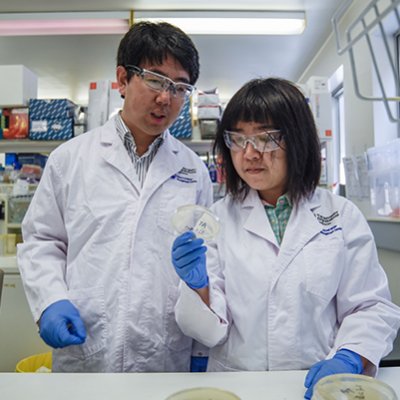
175	339
90	303
323	266
173	195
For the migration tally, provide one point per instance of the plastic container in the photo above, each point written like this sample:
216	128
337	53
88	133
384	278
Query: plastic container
196	218
352	387
384	177
17	207
203	393
37	363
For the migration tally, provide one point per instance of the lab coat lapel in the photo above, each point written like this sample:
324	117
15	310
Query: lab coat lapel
166	163
257	219
301	228
113	152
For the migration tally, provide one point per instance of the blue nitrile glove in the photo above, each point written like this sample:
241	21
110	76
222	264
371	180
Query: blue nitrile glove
343	362
189	260
198	364
61	325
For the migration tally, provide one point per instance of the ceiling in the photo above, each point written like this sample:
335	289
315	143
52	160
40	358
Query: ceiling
226	61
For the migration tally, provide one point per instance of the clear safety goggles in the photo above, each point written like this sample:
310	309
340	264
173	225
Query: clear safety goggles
263	142
161	83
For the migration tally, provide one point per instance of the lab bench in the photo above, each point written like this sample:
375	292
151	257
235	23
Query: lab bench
270	385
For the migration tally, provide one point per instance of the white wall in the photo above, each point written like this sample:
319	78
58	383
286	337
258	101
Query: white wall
65	65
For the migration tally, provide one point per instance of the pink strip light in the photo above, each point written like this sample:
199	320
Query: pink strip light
63	27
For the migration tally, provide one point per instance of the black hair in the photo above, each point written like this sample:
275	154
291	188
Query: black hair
280	102
153	43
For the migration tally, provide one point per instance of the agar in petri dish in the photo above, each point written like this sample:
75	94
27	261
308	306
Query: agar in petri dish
203	393
352	387
198	219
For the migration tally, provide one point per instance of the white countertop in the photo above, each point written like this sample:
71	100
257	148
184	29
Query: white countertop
275	385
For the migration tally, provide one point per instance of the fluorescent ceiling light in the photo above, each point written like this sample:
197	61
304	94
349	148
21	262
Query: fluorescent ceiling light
230	22
191	22
79	23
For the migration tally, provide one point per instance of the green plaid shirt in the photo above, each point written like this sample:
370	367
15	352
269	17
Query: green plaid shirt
279	216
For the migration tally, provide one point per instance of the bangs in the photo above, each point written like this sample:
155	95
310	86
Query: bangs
251	106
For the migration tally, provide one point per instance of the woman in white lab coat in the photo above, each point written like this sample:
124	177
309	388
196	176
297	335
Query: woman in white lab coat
292	280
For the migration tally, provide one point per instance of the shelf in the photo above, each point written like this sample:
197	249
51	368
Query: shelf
199	146
14	225
46	146
28	146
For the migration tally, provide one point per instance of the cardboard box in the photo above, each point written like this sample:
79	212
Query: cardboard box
51	129
115	101
15	123
207	99
209	112
51	109
18	84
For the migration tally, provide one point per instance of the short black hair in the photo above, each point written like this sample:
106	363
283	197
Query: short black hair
154	42
280	102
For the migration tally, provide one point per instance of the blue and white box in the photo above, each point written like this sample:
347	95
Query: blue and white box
51	129
40	109
182	128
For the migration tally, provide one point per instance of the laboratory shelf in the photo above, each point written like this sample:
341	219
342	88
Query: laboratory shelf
47	146
13	225
28	146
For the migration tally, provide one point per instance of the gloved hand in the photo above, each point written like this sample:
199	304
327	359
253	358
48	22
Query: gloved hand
343	362
189	260
61	325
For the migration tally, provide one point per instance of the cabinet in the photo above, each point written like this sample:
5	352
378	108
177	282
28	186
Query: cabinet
19	336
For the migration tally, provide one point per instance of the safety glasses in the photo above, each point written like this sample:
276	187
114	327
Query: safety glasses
263	142
161	83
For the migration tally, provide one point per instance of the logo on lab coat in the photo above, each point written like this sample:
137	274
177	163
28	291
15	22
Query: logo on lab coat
326	220
185	175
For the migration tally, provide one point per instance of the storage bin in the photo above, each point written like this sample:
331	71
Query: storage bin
208	128
36	363
17	207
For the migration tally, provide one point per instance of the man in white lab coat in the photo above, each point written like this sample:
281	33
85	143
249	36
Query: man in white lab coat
95	254
292	280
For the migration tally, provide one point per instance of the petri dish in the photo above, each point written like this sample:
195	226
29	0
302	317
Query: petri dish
198	219
352	387
203	393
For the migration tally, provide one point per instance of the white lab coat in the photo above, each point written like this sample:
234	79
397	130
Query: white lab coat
91	236
289	306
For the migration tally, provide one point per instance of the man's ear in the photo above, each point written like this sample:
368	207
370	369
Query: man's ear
122	80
